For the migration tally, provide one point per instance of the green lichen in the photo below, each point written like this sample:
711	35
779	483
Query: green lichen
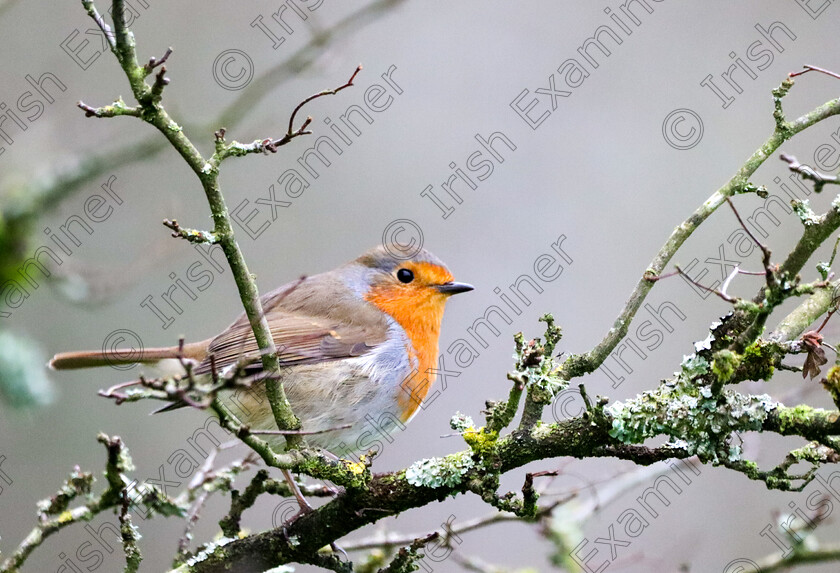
481	441
724	364
78	484
758	360
831	382
750	187
796	416
814	452
348	473
576	365
439	472
747	306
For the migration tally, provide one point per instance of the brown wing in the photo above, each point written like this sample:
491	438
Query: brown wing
307	328
299	340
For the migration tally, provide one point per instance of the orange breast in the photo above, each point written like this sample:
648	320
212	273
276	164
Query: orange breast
420	314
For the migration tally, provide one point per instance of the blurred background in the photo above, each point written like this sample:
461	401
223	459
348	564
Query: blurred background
608	154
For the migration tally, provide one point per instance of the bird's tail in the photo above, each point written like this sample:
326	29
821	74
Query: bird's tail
93	358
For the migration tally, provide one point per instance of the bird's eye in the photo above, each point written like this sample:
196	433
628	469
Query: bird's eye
405	275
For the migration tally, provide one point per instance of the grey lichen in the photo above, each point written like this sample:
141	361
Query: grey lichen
535	363
689	414
206	552
439	472
804	212
461	422
693	366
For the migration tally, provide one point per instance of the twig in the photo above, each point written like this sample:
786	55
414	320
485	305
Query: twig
717	292
321	94
118	463
100	22
819	179
117	109
808	68
298	432
801	557
765	251
153	63
192	518
191	235
236	149
408	555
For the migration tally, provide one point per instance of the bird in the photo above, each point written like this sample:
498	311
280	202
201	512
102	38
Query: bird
357	345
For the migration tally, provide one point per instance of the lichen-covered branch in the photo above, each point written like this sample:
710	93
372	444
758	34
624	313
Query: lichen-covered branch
581	364
393	493
54	514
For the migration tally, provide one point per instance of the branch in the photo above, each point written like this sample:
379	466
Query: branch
152	111
54	515
407	556
578	365
800	557
804	315
130	536
393	493
236	149
191	235
389	540
61	182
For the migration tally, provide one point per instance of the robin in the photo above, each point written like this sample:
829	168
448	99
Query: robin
357	343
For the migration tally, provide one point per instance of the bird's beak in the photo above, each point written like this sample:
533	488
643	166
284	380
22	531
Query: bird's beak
454	288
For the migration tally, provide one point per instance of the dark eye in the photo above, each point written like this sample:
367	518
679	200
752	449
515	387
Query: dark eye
405	275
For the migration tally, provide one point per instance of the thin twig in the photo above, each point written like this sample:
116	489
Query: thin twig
717	292
153	63
298	432
808	68
765	251
819	179
321	94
